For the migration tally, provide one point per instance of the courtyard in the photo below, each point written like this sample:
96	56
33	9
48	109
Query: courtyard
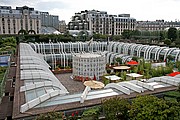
71	85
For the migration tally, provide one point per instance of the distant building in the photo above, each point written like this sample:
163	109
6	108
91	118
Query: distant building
62	26
14	20
156	25
25	18
101	22
49	20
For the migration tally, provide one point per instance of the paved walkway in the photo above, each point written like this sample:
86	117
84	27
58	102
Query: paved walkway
71	85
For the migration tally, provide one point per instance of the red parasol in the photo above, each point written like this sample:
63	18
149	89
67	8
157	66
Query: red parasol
132	62
173	74
94	77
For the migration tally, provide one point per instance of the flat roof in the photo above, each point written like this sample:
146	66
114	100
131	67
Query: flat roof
88	55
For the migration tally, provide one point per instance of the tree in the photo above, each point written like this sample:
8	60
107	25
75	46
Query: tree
162	35
135	58
116	108
172	34
116	37
119	60
153	108
82	35
170	58
126	34
91	114
167	41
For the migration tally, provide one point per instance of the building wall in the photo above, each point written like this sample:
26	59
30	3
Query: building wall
49	20
156	25
62	26
123	23
13	20
89	66
101	22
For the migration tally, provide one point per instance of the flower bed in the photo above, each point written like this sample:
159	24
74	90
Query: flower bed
60	71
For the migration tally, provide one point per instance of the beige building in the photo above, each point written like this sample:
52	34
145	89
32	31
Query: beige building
21	18
101	22
62	26
157	25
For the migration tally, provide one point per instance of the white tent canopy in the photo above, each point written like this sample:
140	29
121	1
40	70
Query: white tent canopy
113	77
135	75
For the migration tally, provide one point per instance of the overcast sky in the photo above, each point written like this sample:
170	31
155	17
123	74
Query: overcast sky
168	10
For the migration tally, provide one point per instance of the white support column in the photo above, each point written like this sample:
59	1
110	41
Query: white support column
84	94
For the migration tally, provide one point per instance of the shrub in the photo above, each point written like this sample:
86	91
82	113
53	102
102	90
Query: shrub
91	114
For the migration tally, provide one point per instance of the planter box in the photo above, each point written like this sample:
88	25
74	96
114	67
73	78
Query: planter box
62	71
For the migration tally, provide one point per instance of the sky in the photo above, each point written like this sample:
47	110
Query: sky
150	10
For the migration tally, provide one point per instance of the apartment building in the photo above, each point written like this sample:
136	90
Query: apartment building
101	22
14	20
123	22
62	26
157	25
48	20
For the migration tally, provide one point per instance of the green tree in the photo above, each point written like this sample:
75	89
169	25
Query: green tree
135	58
153	108
170	58
123	75
91	114
116	37
116	108
8	44
119	60
167	41
126	34
172	34
162	35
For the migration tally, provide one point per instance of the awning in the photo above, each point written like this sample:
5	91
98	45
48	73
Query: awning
132	62
173	74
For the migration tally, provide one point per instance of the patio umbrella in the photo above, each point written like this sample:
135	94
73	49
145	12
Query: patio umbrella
121	68
94	84
173	74
94	77
132	62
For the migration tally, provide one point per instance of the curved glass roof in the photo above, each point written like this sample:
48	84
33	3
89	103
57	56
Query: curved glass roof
40	84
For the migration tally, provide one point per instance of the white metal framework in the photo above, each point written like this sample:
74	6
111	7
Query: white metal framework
61	53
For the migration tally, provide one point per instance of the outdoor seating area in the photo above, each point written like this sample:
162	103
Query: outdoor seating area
134	75
113	78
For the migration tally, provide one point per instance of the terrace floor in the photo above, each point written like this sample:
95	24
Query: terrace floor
71	85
